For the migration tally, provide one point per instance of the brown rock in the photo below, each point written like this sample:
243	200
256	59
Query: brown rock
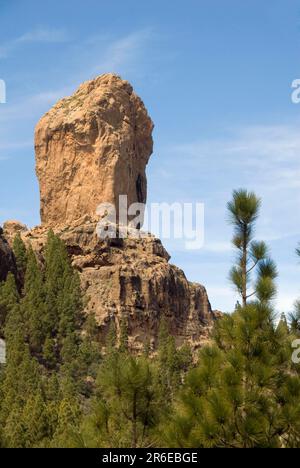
133	280
91	148
12	228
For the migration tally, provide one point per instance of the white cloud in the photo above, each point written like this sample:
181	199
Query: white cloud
262	158
218	247
114	54
253	146
43	35
30	106
285	302
121	52
39	35
15	145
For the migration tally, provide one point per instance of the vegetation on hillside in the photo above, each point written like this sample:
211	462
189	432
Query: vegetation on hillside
59	389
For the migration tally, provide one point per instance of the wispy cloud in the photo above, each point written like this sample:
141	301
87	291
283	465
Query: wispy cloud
121	52
30	106
217	247
40	35
263	158
16	145
253	146
114	55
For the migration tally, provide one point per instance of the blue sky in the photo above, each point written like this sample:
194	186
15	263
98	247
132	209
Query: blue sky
216	78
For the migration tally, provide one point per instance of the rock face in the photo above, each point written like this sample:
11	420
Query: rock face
11	229
7	260
132	280
91	148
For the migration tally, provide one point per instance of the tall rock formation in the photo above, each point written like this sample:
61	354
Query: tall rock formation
91	148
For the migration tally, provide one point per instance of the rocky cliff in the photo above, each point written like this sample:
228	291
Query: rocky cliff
90	148
132	280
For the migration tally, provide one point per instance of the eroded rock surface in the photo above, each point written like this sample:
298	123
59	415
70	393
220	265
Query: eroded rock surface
132	280
91	148
11	229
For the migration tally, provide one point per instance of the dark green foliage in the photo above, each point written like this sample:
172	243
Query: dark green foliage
126	409
244	392
111	339
123	335
62	290
33	305
47	360
58	390
172	362
20	253
294	318
252	255
9	299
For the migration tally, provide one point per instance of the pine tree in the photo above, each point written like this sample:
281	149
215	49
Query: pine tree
294	319
33	305
9	298
35	422
126	409
123	345
245	392
49	353
283	325
67	434
20	253
42	333
111	338
169	364
21	381
252	255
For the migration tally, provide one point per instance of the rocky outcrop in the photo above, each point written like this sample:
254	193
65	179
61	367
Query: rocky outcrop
132	280
7	260
11	229
91	148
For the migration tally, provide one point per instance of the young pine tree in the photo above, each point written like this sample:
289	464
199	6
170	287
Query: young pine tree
294	317
123	340
33	305
21	382
252	255
169	362
20	253
9	298
244	393
126	408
